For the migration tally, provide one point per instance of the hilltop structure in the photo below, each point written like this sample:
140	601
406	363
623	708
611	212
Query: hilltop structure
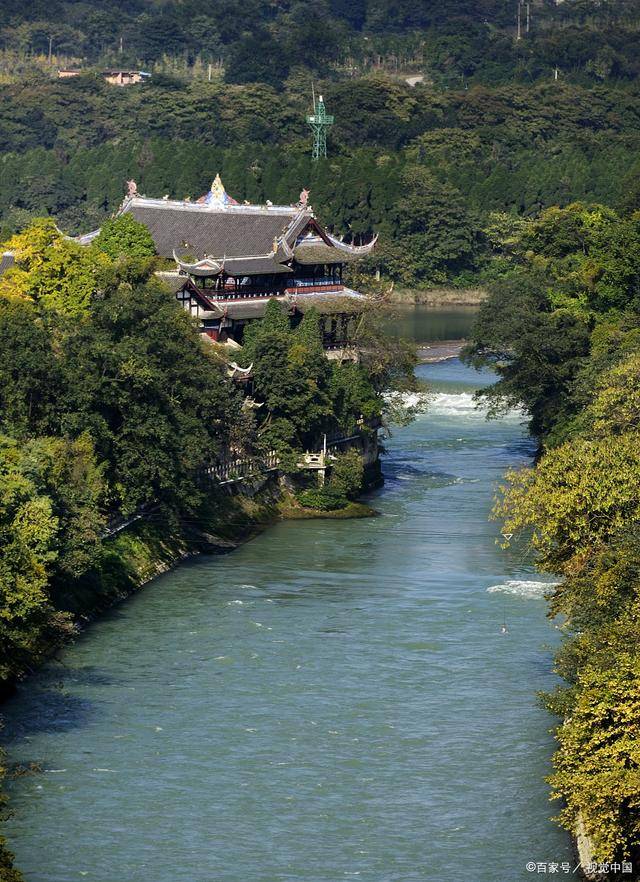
116	76
232	258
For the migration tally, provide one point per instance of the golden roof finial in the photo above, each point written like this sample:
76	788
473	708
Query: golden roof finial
217	188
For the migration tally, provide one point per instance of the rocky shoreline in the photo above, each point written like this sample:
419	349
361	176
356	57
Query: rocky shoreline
439	297
439	350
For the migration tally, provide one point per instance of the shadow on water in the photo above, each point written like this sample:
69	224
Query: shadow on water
52	707
51	710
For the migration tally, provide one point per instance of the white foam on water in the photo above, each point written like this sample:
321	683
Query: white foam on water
407	399
528	589
457	404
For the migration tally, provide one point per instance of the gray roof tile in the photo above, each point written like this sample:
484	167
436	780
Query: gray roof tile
198	230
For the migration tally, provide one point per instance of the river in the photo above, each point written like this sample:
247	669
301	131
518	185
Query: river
333	700
426	325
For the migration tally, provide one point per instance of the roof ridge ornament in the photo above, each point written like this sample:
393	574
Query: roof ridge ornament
217	197
303	199
217	190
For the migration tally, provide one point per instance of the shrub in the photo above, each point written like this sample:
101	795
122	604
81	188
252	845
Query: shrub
322	499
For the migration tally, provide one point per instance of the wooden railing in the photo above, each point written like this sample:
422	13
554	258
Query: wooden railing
221	295
315	288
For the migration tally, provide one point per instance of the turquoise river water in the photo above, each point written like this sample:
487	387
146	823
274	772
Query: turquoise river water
333	700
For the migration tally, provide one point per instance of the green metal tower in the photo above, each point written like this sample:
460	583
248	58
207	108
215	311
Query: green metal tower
319	121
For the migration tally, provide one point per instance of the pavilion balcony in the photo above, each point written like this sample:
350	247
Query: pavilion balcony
313	287
310	281
247	292
244	294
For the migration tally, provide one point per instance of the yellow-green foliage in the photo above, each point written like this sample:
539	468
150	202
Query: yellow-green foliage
580	506
50	491
616	407
27	548
576	498
598	760
56	272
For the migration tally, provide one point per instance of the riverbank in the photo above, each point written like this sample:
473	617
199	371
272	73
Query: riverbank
153	546
441	298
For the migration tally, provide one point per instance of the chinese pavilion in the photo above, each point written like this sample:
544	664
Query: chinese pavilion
233	258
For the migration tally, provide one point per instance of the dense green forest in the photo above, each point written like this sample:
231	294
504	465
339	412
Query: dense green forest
267	42
487	129
562	330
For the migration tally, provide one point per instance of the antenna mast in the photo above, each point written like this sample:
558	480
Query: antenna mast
319	121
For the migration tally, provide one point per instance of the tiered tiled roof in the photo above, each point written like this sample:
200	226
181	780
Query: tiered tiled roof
216	234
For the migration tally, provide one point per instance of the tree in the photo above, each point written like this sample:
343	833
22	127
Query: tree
347	473
29	370
66	471
591	256
616	405
28	530
579	496
597	765
124	236
248	62
435	236
536	352
290	375
57	273
138	379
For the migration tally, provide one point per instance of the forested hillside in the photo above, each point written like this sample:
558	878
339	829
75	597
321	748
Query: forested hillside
487	129
259	41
